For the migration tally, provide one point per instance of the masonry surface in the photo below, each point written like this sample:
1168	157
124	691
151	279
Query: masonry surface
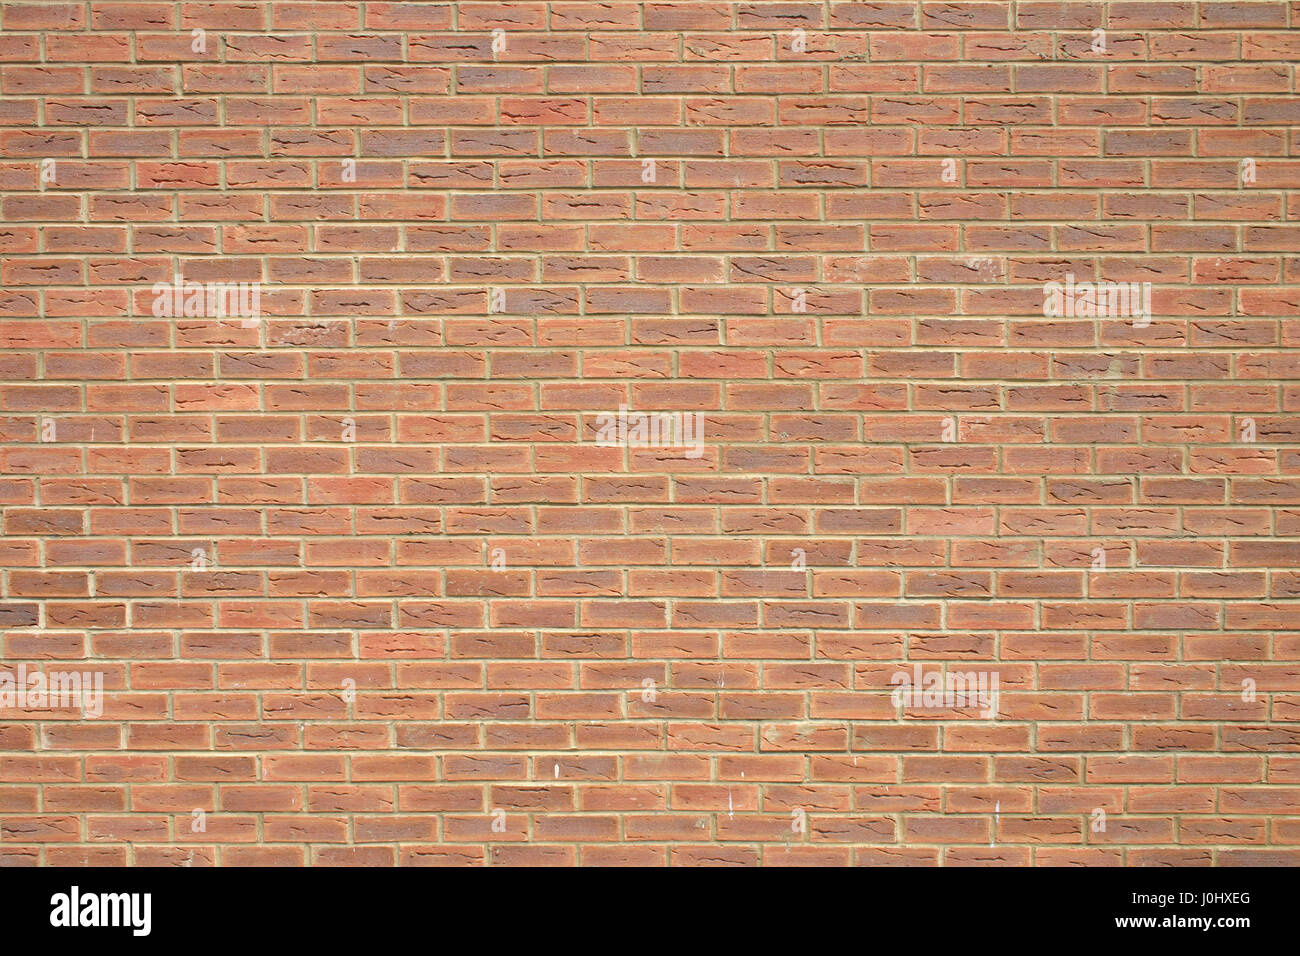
365	578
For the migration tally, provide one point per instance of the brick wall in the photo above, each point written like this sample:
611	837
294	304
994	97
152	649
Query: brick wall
641	432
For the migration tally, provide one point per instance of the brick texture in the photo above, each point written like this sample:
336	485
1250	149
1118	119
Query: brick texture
317	323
